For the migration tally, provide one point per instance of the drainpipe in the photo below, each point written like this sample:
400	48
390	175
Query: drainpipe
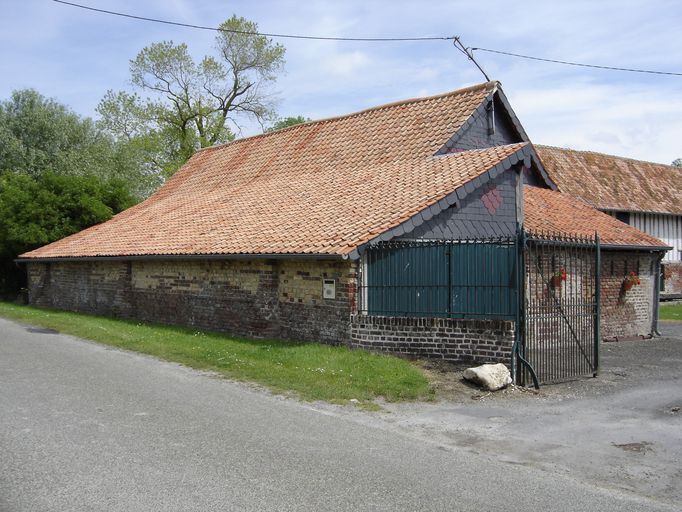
657	295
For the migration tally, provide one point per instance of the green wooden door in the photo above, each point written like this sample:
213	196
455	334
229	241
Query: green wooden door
456	280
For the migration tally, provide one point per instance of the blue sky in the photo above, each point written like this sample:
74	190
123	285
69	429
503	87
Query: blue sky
75	56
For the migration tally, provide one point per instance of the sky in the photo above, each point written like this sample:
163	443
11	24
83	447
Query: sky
75	56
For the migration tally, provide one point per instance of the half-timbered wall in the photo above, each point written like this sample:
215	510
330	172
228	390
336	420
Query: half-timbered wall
665	227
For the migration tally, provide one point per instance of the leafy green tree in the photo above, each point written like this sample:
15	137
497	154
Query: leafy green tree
59	173
286	122
39	135
36	210
190	104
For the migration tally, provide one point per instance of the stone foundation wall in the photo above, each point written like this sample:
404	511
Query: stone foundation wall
258	298
479	341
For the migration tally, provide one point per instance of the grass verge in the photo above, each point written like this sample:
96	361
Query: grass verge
311	370
671	312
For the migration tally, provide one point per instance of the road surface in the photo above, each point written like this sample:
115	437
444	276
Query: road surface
86	427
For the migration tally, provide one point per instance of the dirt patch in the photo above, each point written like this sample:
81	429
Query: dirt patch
446	379
449	384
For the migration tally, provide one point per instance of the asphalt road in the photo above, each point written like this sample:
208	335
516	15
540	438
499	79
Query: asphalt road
622	430
85	427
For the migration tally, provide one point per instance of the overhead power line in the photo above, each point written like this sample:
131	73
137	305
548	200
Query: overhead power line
469	55
245	32
467	51
567	63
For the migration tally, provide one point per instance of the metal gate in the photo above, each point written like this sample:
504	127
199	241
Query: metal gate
558	336
547	284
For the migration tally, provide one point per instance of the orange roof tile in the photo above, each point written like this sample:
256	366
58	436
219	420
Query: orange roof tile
555	212
610	182
323	187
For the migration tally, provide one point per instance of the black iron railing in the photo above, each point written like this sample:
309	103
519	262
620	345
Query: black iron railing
561	298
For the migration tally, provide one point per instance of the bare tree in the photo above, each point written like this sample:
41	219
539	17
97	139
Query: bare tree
191	104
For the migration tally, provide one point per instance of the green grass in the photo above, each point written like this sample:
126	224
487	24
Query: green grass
671	312
313	371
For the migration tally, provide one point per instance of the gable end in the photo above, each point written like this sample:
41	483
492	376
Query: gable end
493	123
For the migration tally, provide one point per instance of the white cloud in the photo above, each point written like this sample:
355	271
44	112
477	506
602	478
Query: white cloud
76	56
618	119
345	63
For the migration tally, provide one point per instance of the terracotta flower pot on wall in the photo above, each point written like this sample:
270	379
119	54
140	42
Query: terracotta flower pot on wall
627	285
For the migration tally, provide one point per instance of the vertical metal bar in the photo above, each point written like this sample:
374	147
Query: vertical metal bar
570	343
580	363
467	303
573	363
449	268
517	313
571	263
546	319
559	359
597	297
657	293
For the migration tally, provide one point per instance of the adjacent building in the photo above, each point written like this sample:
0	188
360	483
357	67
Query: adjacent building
645	195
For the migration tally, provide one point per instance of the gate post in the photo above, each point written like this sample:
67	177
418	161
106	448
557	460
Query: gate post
520	270
597	305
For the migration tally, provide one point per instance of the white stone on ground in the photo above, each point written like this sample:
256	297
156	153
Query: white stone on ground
489	376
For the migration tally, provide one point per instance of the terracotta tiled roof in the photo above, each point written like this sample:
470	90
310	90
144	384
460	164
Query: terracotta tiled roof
554	212
324	187
251	211
614	183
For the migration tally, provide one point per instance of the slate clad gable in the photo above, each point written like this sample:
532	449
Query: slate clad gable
487	212
493	123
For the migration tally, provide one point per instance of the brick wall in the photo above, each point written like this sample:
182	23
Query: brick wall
283	298
672	273
259	298
627	314
623	314
477	341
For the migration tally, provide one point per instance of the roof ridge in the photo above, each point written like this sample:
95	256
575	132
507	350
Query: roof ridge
478	150
492	84
603	154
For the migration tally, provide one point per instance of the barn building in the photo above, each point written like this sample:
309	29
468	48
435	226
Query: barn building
400	228
645	195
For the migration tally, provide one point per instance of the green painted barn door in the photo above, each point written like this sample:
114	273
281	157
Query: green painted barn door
454	279
482	280
408	280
